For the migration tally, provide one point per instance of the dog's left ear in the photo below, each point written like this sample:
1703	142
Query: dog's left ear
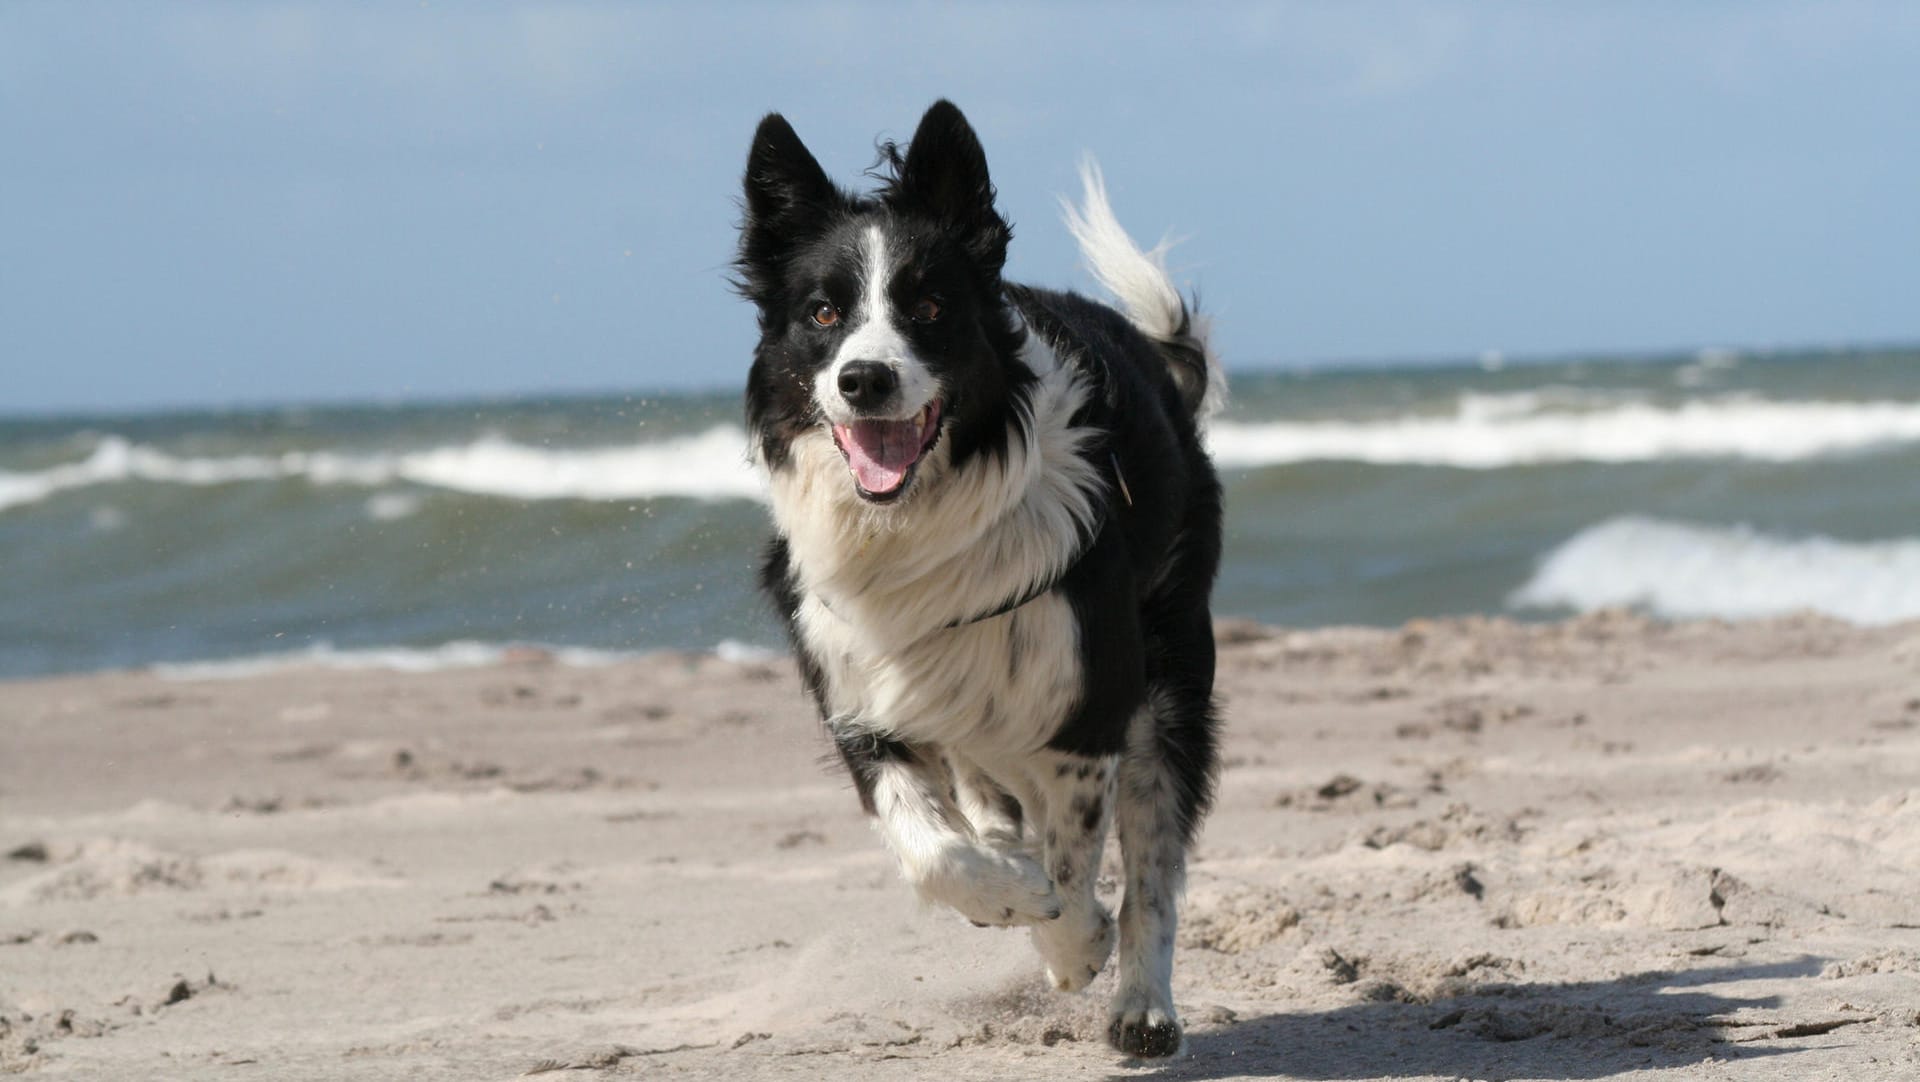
946	173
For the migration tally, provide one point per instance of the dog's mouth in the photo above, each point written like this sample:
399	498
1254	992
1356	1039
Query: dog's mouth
882	454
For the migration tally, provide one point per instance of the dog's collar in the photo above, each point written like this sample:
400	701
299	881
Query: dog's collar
1049	584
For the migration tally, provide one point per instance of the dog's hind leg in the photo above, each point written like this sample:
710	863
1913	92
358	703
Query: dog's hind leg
1143	1021
1072	795
1166	783
909	793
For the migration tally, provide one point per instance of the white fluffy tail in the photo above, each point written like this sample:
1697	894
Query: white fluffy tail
1140	282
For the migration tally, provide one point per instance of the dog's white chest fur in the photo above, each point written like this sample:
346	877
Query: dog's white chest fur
879	587
1002	685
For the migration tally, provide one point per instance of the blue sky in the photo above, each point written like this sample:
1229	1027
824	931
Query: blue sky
236	203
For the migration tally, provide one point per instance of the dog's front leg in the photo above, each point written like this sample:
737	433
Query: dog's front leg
997	817
1071	796
913	807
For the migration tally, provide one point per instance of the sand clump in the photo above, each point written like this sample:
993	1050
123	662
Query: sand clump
119	867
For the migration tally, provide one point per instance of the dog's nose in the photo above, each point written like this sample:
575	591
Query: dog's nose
867	384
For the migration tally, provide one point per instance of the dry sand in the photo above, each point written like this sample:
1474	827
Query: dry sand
1601	849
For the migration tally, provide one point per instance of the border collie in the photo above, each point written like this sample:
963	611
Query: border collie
995	536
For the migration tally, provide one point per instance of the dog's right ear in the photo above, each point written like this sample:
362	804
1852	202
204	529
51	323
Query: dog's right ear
785	185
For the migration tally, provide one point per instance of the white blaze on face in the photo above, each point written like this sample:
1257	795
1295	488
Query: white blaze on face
876	337
881	447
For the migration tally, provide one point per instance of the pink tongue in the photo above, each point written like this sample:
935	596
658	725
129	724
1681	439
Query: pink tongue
880	452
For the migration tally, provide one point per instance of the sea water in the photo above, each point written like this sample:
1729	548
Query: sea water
429	535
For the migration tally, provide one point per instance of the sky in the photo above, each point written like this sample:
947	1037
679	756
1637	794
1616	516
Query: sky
211	204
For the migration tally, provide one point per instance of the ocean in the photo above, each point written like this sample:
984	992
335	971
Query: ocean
1719	483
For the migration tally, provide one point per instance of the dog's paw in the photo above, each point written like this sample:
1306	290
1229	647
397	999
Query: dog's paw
999	889
1149	1031
1075	950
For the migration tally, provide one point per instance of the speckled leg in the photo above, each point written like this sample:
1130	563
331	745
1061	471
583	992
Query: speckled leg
1072	798
1143	1021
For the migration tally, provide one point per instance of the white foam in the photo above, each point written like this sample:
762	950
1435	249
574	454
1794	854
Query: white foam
710	465
389	506
463	654
1484	431
1679	570
460	654
746	652
1537	427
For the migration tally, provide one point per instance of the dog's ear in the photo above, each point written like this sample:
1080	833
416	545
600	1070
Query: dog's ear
945	173
785	185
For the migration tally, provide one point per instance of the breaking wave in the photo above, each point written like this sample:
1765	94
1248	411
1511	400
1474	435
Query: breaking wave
461	654
711	465
1679	570
405	659
1540	427
1484	431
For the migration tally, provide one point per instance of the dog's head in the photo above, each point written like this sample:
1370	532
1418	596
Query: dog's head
882	322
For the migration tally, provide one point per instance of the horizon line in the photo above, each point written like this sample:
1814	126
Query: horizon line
1489	361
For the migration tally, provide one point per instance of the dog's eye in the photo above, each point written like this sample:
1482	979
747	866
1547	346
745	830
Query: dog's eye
927	309
826	315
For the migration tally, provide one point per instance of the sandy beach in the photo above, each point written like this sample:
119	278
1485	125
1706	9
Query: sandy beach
1606	848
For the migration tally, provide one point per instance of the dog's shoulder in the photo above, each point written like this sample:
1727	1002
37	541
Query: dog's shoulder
1121	369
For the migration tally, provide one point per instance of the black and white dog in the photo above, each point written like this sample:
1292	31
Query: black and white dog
996	533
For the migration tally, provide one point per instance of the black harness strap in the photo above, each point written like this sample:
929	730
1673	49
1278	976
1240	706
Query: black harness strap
1034	594
1047	587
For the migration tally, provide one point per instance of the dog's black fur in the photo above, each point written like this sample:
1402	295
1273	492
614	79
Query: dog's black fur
1137	570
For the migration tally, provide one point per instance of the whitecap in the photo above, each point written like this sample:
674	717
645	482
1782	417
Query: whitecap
710	465
744	652
1491	432
1681	570
391	506
460	654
